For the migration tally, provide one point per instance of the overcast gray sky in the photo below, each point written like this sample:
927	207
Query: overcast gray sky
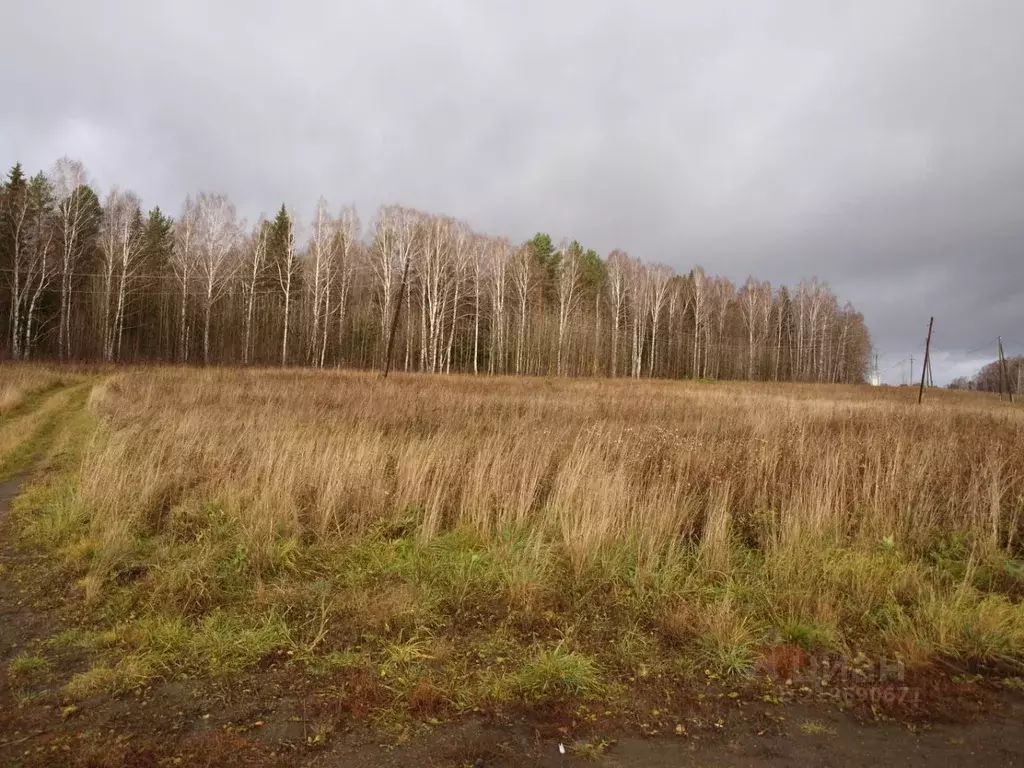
877	144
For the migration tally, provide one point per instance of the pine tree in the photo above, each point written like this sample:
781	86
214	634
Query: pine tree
10	193
155	272
594	272
159	239
280	245
283	266
546	259
543	249
784	335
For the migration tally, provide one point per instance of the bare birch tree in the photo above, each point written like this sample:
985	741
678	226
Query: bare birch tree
658	277
77	215
121	242
322	255
568	292
184	266
699	298
618	269
500	255
752	300
764	319
350	252
35	265
286	267
721	296
395	237
434	274
522	280
40	272
252	264
462	238
640	300
217	244
16	217
478	255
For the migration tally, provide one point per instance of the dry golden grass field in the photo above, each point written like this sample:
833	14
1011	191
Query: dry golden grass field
457	544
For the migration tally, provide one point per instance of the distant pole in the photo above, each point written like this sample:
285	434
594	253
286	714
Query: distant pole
911	369
924	366
1004	376
999	363
1009	389
394	320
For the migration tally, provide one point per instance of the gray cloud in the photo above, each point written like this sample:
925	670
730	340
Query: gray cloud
876	144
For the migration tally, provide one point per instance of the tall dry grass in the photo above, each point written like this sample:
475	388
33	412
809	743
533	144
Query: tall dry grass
30	403
586	463
590	525
19	381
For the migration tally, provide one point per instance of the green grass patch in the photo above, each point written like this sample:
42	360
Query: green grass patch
26	666
129	673
31	401
55	425
552	673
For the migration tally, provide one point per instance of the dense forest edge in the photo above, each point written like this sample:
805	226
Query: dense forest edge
91	278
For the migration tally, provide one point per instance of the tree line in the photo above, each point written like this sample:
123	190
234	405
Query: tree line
100	279
993	378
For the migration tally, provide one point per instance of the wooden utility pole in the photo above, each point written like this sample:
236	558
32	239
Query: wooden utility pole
999	360
1004	376
1009	389
394	320
924	367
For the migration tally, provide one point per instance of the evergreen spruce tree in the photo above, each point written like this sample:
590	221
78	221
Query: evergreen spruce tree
10	193
159	240
785	351
546	259
278	245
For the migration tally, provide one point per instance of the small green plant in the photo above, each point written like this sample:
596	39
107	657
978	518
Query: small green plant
334	661
26	666
131	673
728	642
83	639
554	672
817	728
406	651
591	750
809	635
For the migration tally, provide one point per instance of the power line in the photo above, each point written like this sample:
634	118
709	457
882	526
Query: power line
983	346
901	362
359	268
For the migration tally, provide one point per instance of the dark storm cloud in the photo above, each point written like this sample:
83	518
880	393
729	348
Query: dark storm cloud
878	145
